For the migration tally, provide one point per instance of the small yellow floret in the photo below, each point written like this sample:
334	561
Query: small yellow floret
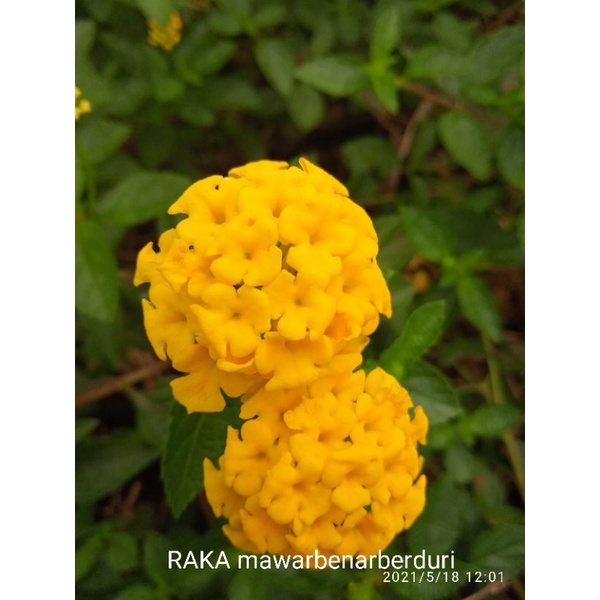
81	106
167	37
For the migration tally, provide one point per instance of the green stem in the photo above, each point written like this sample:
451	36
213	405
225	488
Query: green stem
498	396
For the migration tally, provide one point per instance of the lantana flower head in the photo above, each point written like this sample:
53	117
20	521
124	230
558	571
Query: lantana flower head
339	471
270	278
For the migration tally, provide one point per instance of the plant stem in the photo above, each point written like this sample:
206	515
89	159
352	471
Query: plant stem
489	590
498	396
116	384
440	99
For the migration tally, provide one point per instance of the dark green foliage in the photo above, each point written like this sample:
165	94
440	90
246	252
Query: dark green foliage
418	108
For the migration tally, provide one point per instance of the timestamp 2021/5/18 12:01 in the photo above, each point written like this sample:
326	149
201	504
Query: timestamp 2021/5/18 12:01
442	576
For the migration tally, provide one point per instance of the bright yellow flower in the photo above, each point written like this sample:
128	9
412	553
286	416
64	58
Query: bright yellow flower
167	37
81	106
232	321
339	472
273	273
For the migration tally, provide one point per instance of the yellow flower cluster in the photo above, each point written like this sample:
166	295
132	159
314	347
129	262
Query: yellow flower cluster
334	469
167	37
81	106
271	276
269	290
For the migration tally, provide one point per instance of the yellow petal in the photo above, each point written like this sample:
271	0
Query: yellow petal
350	496
323	180
200	391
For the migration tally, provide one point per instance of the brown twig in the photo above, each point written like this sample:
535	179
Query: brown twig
384	119
433	96
403	141
115	384
505	15
456	105
126	512
420	114
488	590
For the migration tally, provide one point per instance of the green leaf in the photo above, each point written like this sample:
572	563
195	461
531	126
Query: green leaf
511	157
467	141
335	75
105	463
200	54
462	240
427	233
195	113
496	52
422	330
142	197
430	62
87	555
265	17
167	88
479	307
154	555
430	389
275	59
96	274
102	342
251	584
122	552
351	15
85	33
152	410
489	489
440	437
500	549
101	137
306	107
213	58
492	420
484	200
363	589
223	23
95	86
385	36
84	427
159	10
232	93
460	463
370	154
192	438
129	96
454	32
439	526
384	86
241	9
